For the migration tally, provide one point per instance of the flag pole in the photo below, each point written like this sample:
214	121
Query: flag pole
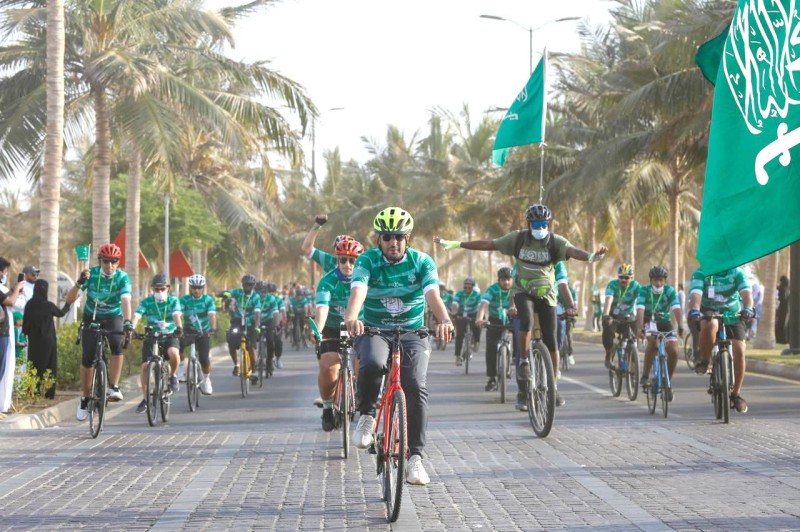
543	145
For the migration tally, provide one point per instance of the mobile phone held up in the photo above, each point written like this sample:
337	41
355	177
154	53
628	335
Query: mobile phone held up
20	277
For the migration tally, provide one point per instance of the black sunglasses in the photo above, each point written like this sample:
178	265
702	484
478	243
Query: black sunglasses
388	238
109	261
624	277
347	260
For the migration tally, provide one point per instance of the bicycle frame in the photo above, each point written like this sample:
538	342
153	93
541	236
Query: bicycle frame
720	396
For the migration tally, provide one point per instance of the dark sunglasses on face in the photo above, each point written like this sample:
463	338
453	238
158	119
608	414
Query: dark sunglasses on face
388	238
347	260
539	225
624	277
109	261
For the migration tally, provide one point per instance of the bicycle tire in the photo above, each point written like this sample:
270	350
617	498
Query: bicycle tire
688	353
344	410
166	395
395	464
153	393
502	359
97	403
541	391
652	392
244	367
665	387
715	396
724	380
261	362
192	384
615	374
632	374
466	349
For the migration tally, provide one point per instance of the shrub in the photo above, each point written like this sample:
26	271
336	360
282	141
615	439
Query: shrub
69	356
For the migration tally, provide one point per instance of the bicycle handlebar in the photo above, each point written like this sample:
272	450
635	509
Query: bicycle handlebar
496	327
149	332
391	334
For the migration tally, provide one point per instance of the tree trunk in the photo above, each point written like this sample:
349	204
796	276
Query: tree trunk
469	256
591	245
101	170
50	187
631	242
765	338
673	233
132	222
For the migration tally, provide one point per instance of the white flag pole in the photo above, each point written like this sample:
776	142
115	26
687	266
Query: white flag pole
542	145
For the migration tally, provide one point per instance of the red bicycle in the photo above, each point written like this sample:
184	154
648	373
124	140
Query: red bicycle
391	438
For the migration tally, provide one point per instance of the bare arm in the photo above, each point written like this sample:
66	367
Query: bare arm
580	254
747	298
483	311
358	295
444	329
13	294
566	295
474	245
607	305
311	236
320	317
126	308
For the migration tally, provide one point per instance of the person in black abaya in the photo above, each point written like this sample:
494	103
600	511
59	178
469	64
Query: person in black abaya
782	311
37	324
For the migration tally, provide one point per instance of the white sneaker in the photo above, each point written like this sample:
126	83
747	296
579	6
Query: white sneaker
363	433
415	471
571	360
83	409
182	371
113	395
278	363
205	386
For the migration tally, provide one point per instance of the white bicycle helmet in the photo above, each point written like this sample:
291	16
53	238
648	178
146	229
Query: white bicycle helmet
197	281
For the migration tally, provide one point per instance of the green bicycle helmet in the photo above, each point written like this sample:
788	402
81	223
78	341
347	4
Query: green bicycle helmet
393	221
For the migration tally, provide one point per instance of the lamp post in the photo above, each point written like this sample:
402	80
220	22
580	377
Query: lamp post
530	30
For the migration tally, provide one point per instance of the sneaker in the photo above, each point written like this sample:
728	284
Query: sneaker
327	419
142	408
608	363
113	394
524	370
174	387
458	361
415	471
318	402
205	386
559	400
670	395
491	385
522	403
643	381
571	360
278	363
364	429
739	403
182	371
83	410
235	371
253	379
701	368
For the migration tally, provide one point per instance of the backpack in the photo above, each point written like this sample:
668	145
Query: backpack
524	236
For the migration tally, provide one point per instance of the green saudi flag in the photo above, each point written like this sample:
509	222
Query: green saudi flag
751	196
524	121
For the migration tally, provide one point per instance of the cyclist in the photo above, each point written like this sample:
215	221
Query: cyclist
654	305
325	260
201	324
565	306
161	311
497	303
108	303
446	295
269	317
392	283
537	251
465	307
246	304
298	310
621	294
280	322
333	291
597	308
726	292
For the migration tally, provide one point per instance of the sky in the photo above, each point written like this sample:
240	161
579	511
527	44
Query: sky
392	62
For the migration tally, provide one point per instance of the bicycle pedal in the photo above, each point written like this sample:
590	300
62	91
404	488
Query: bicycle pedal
372	449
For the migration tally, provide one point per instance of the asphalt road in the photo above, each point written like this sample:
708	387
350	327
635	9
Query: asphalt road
262	462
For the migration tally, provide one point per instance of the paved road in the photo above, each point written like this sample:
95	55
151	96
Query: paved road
263	462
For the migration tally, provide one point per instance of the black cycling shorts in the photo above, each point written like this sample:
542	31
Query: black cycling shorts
330	342
89	337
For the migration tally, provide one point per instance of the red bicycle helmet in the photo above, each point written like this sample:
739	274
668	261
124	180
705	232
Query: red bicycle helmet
109	251
349	247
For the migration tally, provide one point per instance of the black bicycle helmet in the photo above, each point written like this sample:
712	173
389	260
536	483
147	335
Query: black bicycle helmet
159	280
538	213
504	273
248	278
657	272
261	287
469	280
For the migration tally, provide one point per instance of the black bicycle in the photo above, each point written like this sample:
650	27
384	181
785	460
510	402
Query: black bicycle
566	349
505	352
265	359
541	397
157	392
625	360
194	373
722	377
98	400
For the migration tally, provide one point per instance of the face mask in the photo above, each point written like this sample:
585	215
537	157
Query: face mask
658	290
160	296
3	279
106	275
539	234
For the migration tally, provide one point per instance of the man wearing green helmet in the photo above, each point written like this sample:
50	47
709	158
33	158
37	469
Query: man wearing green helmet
393	283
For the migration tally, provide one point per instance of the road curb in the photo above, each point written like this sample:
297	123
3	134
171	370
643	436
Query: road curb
753	366
52	416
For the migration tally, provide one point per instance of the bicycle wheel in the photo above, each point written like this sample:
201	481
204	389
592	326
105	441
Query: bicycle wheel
153	392
724	379
665	387
632	374
502	359
261	364
193	383
296	337
166	395
541	391
688	354
244	377
652	390
466	349
615	373
344	409
97	403
395	465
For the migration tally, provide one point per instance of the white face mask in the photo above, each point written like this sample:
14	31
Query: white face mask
657	289
160	296
539	234
3	279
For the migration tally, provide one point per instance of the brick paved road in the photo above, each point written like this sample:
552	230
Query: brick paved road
263	462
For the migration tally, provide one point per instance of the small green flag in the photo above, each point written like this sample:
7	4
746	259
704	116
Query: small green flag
83	252
751	196
525	119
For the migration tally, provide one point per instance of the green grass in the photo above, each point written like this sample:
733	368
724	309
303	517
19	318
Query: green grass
773	355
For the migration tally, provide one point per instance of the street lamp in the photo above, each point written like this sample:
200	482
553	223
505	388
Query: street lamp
530	31
314	147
